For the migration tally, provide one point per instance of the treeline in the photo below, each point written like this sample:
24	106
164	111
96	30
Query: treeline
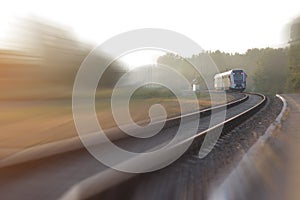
51	56
269	70
45	60
293	82
263	67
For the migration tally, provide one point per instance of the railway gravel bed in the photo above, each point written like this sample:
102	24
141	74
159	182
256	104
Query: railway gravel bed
52	176
191	177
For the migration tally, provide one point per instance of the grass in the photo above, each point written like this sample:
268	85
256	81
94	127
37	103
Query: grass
27	123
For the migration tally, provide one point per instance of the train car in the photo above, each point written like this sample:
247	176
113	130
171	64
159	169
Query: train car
232	80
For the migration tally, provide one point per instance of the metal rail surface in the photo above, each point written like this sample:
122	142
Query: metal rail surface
77	175
109	178
114	134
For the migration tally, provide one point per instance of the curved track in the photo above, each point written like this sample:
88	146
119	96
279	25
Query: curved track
51	177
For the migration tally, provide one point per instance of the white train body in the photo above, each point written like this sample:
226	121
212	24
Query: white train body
234	80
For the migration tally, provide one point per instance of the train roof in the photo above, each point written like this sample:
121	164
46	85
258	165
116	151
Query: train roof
227	72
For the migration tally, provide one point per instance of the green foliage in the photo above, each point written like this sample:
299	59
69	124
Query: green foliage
293	82
182	65
147	92
271	72
261	65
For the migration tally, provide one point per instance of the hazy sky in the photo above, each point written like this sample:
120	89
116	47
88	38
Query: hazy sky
232	26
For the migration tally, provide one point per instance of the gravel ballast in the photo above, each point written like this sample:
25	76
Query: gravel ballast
193	178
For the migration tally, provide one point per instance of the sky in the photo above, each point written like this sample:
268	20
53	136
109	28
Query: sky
230	26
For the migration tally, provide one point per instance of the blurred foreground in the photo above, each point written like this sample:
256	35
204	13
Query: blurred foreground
271	169
36	82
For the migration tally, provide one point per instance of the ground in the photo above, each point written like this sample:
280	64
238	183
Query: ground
193	178
272	169
26	123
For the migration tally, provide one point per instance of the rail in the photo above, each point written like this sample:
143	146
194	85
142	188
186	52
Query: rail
110	177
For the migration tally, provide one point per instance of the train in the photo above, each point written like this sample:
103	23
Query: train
232	80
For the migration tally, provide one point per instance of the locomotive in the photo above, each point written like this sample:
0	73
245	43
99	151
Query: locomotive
232	80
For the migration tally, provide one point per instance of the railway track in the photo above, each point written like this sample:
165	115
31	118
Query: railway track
77	175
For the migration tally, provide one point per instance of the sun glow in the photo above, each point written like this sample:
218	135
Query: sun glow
141	58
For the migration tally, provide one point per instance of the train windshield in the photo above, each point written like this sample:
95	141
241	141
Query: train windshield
238	75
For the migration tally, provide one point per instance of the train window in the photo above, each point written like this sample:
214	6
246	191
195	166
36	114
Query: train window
238	76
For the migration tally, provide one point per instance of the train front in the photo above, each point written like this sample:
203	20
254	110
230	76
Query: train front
239	80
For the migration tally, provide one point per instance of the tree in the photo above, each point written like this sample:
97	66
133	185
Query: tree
266	68
271	72
59	55
293	82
